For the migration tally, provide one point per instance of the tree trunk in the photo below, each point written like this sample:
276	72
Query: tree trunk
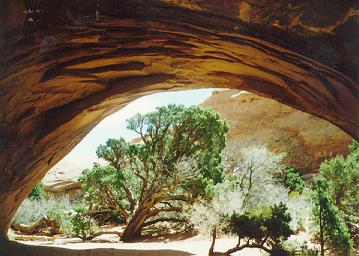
135	225
214	235
321	229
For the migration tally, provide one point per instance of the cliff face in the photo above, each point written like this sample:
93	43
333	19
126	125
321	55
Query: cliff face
255	120
65	65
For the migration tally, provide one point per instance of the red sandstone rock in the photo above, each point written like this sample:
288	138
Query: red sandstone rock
254	120
65	65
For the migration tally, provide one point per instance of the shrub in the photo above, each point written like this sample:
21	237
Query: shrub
83	226
292	180
37	192
265	228
57	210
32	210
61	214
300	248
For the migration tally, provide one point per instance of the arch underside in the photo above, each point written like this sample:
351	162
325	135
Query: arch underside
70	66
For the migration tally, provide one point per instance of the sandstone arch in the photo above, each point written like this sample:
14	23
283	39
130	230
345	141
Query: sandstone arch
65	65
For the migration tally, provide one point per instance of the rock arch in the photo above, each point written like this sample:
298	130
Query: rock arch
65	65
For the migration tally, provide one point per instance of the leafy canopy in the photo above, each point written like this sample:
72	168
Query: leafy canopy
177	157
342	177
333	232
265	228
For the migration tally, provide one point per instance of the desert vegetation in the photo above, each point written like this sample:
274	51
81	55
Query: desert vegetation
178	174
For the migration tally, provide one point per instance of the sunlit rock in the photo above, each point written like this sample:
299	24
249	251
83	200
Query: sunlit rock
254	120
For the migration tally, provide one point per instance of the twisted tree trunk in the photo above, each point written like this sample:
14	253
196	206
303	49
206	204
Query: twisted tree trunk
136	223
134	227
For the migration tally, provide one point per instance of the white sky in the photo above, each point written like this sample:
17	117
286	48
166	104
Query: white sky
114	126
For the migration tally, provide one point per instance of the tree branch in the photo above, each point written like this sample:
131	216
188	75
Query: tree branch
169	209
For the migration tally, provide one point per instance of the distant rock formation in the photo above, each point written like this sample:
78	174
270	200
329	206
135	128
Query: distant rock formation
252	119
57	183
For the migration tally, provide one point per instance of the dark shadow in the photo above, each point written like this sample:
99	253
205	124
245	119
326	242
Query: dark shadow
17	249
165	237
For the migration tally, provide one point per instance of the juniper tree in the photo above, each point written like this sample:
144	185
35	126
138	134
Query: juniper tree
179	154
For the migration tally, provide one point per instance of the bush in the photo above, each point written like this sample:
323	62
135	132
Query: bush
83	226
267	228
61	214
306	251
57	210
252	191
37	192
293	180
300	248
32	210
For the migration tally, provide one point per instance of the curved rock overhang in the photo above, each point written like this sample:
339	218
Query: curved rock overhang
65	65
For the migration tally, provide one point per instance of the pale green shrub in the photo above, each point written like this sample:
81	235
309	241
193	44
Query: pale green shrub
58	209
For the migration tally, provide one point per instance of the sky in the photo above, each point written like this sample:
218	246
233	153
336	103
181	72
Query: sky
114	126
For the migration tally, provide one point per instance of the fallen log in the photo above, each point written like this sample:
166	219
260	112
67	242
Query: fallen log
31	228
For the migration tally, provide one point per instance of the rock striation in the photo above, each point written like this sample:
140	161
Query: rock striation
65	65
254	120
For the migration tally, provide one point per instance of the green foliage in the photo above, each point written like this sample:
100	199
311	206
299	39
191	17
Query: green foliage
31	210
55	209
267	226
37	192
251	203
333	233
178	157
305	251
342	177
83	226
61	214
293	180
103	190
300	248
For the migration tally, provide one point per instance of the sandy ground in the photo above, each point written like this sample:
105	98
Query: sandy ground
190	246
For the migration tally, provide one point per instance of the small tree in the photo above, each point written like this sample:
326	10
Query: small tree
333	234
265	228
179	155
256	170
249	192
83	226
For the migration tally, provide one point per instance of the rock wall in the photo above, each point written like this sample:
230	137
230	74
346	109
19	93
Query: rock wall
255	120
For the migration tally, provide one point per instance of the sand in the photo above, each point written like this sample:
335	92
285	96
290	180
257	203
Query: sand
190	246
